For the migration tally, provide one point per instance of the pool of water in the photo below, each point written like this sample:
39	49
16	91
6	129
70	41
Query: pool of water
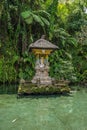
44	112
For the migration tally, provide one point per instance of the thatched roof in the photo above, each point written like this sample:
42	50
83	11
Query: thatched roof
43	44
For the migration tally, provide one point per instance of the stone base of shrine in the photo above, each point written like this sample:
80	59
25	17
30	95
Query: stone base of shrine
28	88
42	80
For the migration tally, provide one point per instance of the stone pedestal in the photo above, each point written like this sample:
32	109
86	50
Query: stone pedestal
42	76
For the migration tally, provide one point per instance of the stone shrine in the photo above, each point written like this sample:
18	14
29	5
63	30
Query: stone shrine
42	49
42	83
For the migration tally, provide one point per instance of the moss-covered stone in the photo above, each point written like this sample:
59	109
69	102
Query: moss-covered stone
42	89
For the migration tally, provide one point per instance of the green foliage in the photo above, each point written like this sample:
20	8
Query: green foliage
84	76
62	69
64	38
7	71
76	17
36	16
27	65
80	53
63	23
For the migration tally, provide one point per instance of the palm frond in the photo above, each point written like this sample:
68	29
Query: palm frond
45	20
38	19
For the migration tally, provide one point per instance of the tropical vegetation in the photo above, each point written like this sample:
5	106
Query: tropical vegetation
24	21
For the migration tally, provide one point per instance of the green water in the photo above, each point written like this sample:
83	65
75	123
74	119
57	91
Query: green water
44	113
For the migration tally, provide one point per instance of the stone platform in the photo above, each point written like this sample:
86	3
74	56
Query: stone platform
28	88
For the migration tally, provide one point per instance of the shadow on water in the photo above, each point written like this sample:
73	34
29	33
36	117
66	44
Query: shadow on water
38	96
8	89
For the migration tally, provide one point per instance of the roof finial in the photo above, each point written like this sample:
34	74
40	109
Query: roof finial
43	37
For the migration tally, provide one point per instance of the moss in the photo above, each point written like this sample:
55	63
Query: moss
43	89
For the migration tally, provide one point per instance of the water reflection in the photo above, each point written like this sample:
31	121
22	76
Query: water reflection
8	89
